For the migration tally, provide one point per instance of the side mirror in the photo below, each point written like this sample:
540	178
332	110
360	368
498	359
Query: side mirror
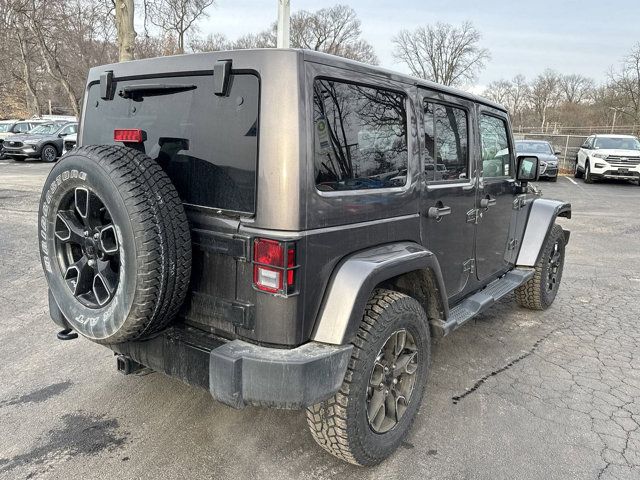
557	152
60	135
528	168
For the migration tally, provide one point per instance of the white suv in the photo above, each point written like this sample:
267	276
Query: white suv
609	156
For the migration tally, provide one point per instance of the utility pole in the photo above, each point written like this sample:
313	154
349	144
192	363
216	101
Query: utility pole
284	13
615	113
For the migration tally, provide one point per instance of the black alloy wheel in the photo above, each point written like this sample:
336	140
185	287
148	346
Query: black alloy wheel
49	154
87	247
555	259
392	381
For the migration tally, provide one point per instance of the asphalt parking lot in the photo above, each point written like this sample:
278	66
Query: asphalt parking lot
549	395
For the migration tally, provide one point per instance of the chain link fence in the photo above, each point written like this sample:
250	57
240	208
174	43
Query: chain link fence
567	145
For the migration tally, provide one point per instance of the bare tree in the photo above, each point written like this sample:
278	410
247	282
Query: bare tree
518	97
26	50
217	41
545	94
126	30
626	84
498	91
176	17
442	52
335	30
40	18
576	88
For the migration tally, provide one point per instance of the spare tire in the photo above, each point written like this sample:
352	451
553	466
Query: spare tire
114	242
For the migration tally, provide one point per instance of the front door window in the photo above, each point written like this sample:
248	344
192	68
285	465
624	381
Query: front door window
496	152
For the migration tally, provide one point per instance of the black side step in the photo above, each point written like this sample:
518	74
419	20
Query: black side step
483	299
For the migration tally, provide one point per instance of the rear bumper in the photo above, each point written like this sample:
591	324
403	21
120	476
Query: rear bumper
238	373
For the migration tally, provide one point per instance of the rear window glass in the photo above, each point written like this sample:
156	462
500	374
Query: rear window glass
446	141
361	137
207	144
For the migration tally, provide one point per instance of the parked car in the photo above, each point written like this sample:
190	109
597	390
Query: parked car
9	128
44	142
545	152
609	156
69	142
252	246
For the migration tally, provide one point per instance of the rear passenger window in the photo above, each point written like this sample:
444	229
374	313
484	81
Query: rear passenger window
360	137
446	141
496	152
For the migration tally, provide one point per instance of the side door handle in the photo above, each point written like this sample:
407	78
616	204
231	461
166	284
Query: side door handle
438	212
487	202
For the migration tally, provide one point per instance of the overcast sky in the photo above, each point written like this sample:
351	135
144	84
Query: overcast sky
525	37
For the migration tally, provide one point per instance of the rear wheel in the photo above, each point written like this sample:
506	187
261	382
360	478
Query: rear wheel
49	154
372	413
115	243
539	292
577	173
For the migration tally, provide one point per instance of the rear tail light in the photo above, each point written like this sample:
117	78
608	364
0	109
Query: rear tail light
128	135
274	266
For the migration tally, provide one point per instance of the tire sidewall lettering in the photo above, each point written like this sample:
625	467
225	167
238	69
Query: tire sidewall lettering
99	323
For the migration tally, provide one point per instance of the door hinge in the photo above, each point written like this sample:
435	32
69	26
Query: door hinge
474	216
513	244
469	266
519	202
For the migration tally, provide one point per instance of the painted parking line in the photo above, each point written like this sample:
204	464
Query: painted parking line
571	180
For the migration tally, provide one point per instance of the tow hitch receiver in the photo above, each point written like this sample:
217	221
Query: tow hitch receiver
127	366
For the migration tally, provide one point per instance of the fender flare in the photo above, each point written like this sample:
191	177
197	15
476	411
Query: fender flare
355	278
542	216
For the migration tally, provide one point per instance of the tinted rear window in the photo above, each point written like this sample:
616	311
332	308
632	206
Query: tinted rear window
361	137
207	144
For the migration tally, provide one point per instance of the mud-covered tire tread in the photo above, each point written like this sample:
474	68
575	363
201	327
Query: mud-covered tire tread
327	421
529	294
162	237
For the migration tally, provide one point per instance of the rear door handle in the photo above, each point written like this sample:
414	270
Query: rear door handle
438	212
487	202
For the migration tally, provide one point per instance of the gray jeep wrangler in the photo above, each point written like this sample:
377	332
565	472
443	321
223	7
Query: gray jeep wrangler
290	229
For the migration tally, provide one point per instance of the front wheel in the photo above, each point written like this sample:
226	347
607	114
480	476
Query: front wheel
588	178
374	409
577	173
539	292
49	154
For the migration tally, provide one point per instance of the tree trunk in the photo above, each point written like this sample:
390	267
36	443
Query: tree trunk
32	98
126	29
55	70
181	38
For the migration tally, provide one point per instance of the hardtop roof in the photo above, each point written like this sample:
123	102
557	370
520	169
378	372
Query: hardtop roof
328	59
187	62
